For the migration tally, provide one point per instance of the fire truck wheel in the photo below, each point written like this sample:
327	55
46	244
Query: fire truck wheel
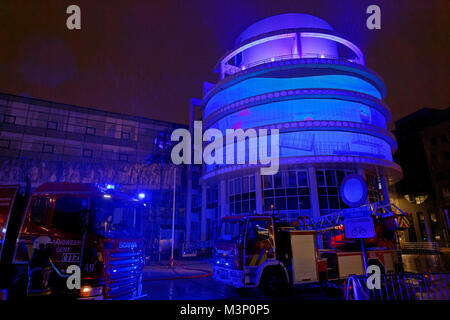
273	282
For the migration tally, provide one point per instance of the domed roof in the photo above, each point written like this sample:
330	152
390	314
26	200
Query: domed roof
283	21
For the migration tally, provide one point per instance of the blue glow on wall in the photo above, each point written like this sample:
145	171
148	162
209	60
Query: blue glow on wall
325	143
256	86
301	110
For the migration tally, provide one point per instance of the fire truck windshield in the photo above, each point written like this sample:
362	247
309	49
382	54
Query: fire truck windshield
231	230
116	217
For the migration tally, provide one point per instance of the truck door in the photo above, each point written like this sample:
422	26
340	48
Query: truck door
67	227
259	241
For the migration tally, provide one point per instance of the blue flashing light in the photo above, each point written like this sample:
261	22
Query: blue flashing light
141	195
227	264
4	230
218	261
110	187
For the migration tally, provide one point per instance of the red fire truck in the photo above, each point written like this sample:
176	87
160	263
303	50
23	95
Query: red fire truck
70	224
264	252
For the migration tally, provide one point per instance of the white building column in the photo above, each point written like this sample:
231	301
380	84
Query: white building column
384	190
315	201
223	198
258	192
314	192
203	214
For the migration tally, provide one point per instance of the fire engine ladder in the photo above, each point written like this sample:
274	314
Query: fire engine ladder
386	210
329	221
336	219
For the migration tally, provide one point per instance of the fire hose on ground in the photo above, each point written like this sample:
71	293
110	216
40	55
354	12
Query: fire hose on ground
207	273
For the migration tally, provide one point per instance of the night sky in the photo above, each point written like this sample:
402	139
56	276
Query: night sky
147	58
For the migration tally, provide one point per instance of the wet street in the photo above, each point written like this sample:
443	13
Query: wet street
163	283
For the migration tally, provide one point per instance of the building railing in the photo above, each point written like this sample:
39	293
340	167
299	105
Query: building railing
407	286
420	247
231	69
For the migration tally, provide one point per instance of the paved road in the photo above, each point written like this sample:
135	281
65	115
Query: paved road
176	287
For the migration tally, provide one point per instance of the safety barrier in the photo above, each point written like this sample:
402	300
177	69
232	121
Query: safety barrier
419	247
407	286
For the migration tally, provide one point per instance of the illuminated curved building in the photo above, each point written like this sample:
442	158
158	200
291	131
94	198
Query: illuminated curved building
292	72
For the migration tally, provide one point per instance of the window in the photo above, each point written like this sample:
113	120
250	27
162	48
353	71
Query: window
241	195
87	153
9	119
47	148
52	125
328	189
4	144
69	213
258	230
90	131
289	191
125	135
123	157
39	210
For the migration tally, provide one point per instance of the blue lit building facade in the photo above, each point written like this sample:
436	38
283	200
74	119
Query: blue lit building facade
294	73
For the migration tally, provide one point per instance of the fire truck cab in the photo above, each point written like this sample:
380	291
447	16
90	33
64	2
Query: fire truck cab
258	251
70	225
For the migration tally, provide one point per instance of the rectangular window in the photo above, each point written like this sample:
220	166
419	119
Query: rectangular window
320	177
9	119
90	131
87	153
5	144
48	148
292	179
302	177
252	183
267	179
125	135
123	157
39	210
52	125
278	180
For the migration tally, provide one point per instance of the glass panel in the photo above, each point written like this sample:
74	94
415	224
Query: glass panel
280	203
252	183
268	193
244	184
292	179
331	178
291	191
333	202
267	182
305	202
292	203
278	180
39	210
268	204
302	178
323	202
69	213
320	178
237	185
245	207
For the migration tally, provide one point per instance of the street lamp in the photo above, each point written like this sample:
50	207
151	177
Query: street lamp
160	155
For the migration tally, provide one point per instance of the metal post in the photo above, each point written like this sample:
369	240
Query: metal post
363	250
173	215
